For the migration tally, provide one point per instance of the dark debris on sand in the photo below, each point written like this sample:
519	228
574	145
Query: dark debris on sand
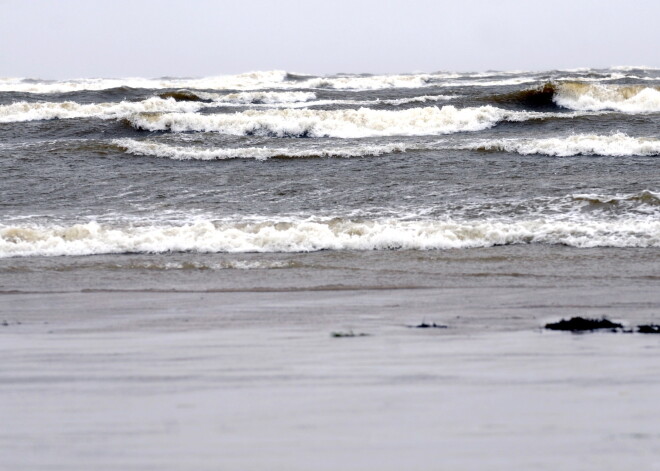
424	325
583	324
648	329
350	333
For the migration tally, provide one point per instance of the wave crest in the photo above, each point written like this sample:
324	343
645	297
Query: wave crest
540	97
156	149
320	234
581	96
363	122
618	144
24	111
597	97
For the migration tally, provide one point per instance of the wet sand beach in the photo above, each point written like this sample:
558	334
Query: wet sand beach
143	380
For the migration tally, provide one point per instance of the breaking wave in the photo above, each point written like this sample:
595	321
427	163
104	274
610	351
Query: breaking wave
541	97
580	96
183	101
363	122
596	97
618	144
320	234
24	111
156	149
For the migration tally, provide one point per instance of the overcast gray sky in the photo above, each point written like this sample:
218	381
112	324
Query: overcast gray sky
153	38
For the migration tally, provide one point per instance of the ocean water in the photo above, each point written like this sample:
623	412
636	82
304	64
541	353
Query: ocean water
274	180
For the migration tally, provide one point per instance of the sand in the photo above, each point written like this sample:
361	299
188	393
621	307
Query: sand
255	381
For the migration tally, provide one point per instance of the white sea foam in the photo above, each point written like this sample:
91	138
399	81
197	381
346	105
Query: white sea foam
367	103
278	79
351	123
629	68
489	83
203	265
32	111
596	97
372	82
247	81
618	144
416	99
158	149
275	79
321	234
599	78
25	111
266	98
303	99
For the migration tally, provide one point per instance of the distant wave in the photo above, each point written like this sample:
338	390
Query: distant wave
321	234
281	80
247	81
632	68
258	98
618	144
275	79
646	198
277	98
363	122
371	82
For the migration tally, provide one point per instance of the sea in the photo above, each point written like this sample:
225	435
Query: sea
276	180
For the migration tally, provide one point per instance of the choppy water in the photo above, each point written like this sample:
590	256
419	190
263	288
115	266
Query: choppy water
255	171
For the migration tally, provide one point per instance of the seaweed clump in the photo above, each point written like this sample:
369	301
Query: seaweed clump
425	325
583	324
350	333
648	329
